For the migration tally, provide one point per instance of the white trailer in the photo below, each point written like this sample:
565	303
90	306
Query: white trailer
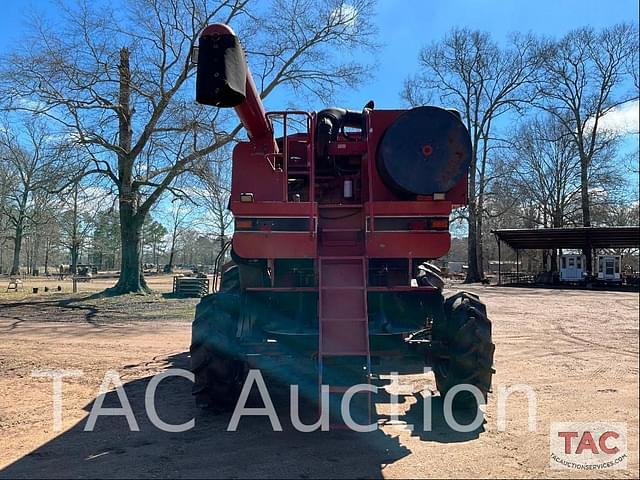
609	268
572	267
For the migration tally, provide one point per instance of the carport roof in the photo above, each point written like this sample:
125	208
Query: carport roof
578	237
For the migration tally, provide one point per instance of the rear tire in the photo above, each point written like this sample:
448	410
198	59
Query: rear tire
462	349
429	275
216	361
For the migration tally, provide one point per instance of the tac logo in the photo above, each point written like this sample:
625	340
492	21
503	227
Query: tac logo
588	445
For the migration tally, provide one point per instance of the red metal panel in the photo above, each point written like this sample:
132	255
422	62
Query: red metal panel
408	208
458	194
252	173
379	120
408	244
274	245
272	209
347	148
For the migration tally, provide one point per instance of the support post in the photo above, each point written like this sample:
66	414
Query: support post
517	265
499	261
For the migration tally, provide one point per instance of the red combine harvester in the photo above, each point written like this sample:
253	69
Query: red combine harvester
335	222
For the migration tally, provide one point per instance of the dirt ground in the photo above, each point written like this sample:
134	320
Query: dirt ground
578	350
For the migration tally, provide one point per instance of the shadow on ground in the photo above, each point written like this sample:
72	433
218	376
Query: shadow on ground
208	449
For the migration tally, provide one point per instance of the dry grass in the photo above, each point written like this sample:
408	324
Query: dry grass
159	305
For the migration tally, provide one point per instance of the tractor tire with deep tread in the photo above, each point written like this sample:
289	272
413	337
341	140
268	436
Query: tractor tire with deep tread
462	349
429	275
218	367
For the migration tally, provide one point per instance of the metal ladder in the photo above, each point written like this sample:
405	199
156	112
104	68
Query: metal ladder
343	352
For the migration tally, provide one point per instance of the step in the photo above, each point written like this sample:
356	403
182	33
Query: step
343	304
351	319
324	258
340	205
342	287
341	272
344	353
341	251
340	243
339	337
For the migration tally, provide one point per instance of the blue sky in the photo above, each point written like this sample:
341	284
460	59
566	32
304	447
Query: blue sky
405	25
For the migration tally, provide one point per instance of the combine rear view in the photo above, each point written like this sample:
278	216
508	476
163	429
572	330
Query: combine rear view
336	220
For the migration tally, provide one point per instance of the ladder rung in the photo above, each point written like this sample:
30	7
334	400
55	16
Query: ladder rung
343	257
349	319
339	205
347	287
352	353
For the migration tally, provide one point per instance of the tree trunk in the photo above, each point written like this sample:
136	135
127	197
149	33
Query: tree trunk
35	254
586	209
480	244
75	247
155	253
131	278
17	245
47	247
174	238
170	263
473	274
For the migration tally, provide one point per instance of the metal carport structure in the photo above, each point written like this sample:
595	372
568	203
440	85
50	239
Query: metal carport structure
565	238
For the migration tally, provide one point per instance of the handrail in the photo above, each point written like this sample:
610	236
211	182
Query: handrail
285	156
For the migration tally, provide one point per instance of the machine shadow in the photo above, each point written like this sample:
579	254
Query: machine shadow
111	450
439	430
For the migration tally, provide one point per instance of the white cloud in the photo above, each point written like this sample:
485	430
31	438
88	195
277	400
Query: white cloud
31	105
345	13
623	119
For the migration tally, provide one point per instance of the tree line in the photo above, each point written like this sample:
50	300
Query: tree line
104	151
536	109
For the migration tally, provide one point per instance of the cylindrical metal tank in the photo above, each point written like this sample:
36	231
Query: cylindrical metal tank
425	150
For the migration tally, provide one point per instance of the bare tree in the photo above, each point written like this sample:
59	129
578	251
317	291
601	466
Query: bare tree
214	182
5	195
30	164
77	219
120	83
468	71
153	235
180	216
547	169
584	76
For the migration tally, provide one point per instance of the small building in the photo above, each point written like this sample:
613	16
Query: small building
505	265
456	267
572	267
604	267
609	268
